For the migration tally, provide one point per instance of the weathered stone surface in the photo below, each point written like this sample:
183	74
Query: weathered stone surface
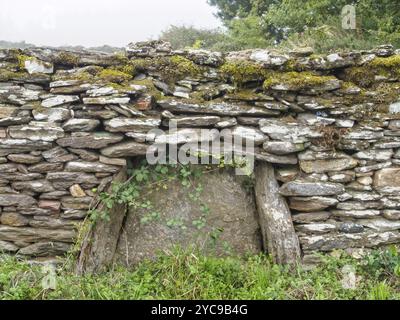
226	123
12	146
309	189
223	108
321	166
35	234
52	115
380	224
76	191
100	243
356	213
96	140
52	206
316	228
13	219
107	100
358	205
125	149
363	135
55	101
244	135
64	180
37	131
74	214
309	204
24	158
288	159
82	203
286	174
82	166
342	241
44	167
189	135
351	227
391	214
287	131
34	186
16	200
6	246
113	161
48	222
36	66
275	218
387	180
196	121
135	125
283	148
7	111
11	121
57	155
376	155
82	125
342	177
311	217
44	249
85	154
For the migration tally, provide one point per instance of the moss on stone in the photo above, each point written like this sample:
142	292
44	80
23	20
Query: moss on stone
151	89
21	58
362	76
365	75
392	62
296	80
67	59
242	71
112	75
170	68
7	75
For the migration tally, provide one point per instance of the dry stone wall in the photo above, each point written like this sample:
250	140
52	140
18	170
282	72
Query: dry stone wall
329	125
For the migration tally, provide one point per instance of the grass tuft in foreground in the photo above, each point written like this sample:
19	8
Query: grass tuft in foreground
189	275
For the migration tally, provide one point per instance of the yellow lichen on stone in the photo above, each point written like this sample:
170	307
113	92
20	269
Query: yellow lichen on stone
22	59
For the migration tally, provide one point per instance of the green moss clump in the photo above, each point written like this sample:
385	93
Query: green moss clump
365	75
171	69
7	75
362	76
297	80
111	75
21	58
67	59
242	71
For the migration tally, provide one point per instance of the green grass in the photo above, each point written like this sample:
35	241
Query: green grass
188	275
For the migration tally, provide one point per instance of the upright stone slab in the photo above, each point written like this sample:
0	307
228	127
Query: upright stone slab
279	235
99	245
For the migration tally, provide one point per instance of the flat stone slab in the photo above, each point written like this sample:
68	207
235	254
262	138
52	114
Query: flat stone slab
96	140
309	189
232	218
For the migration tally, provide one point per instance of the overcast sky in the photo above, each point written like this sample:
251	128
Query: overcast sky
97	22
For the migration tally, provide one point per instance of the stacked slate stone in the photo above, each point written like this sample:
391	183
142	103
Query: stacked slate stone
330	125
